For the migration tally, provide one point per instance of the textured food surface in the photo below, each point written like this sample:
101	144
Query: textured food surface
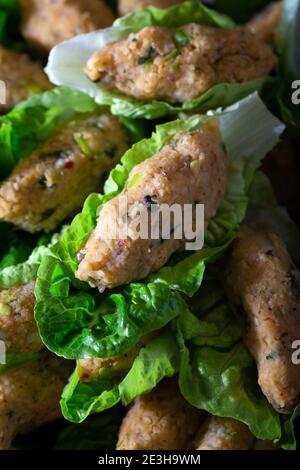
177	65
22	77
91	368
223	434
52	183
159	420
17	325
190	169
266	24
29	396
262	279
45	23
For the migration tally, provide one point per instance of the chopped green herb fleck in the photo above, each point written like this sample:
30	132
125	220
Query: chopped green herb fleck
83	144
172	55
145	58
135	181
5	309
181	38
148	65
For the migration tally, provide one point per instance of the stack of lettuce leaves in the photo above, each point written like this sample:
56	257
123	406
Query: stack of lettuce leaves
199	337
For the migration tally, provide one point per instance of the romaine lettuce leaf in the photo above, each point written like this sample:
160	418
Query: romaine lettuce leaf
75	321
217	373
224	383
288	439
65	69
158	359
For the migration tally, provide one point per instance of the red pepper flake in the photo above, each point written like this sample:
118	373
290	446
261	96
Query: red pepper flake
69	164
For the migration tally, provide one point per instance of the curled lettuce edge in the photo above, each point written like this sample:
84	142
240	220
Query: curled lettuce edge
65	69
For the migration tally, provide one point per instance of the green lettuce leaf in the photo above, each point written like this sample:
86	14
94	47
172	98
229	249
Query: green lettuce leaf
186	275
217	373
288	439
65	69
224	383
75	321
158	359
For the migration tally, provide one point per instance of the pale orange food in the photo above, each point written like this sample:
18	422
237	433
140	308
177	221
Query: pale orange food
266	24
223	434
190	169
159	420
179	64
52	183
29	396
262	279
45	23
17	324
22	77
